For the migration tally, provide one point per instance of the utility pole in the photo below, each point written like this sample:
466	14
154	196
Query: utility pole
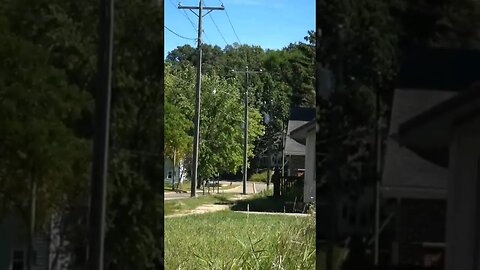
100	147
378	147
196	137
269	155
245	126
334	178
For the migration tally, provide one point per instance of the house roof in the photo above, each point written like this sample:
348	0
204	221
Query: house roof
405	173
428	133
293	147
300	133
438	68
427	77
302	113
299	116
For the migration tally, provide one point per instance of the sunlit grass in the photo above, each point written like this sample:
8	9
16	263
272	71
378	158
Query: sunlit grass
229	240
181	205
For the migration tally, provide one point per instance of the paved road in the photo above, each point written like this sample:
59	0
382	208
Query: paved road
258	188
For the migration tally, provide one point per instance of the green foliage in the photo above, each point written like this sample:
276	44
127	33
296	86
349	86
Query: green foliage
287	79
221	136
38	108
260	177
64	38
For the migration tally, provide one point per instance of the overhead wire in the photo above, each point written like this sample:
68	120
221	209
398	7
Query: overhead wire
235	32
173	32
218	29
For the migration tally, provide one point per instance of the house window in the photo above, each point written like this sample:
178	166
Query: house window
18	260
170	174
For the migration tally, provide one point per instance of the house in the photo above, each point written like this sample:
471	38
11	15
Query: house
448	135
414	188
13	247
295	151
177	172
306	135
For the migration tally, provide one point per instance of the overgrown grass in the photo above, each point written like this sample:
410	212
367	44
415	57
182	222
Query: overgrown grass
229	240
176	206
260	177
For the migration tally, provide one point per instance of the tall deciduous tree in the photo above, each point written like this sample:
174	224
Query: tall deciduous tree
221	135
41	157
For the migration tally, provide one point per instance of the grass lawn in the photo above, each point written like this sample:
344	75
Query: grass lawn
186	186
175	206
265	202
229	240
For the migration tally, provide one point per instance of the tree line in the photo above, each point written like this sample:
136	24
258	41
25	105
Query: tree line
287	79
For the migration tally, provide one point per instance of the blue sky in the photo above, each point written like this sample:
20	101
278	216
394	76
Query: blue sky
271	24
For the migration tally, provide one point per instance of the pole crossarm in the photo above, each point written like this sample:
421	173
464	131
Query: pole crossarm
210	9
205	8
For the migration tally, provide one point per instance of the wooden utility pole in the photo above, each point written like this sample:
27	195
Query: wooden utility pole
245	126
100	144
196	137
378	156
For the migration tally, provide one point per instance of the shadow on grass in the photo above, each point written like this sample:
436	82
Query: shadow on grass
224	201
265	202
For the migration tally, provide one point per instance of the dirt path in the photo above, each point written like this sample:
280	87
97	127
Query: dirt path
207	208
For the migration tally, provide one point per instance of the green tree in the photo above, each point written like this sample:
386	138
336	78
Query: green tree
178	141
39	149
67	31
221	135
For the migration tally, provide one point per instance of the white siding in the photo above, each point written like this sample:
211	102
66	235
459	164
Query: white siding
310	169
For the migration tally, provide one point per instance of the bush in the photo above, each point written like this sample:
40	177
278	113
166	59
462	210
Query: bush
260	177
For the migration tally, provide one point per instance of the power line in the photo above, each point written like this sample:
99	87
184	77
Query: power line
218	29
235	32
190	20
184	14
173	32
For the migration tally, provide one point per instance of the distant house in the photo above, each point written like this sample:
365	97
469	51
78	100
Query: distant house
13	247
414	186
178	172
295	151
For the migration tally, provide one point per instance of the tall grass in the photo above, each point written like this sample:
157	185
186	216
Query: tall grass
228	240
